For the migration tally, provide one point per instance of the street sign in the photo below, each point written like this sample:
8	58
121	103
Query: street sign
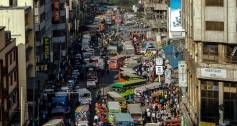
159	70
159	61
167	76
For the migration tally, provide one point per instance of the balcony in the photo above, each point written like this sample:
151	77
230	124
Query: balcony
231	59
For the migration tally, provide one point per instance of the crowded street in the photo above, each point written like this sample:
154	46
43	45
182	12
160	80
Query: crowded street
119	73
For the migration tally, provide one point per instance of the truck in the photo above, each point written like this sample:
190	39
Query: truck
81	115
92	77
60	106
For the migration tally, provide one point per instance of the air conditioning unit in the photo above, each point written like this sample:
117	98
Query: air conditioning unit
8	36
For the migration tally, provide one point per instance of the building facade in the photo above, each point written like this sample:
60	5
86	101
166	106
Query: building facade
211	56
19	20
156	12
9	83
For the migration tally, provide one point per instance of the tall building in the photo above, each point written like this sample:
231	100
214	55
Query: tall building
211	56
156	12
9	90
59	22
17	17
43	33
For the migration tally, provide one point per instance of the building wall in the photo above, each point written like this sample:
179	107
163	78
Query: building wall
210	87
9	79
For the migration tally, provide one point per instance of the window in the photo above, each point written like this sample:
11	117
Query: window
231	54
14	55
10	57
209	101
214	26
15	75
210	52
42	17
42	2
215	3
11	78
57	33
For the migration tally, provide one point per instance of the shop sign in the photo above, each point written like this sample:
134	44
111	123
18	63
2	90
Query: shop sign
159	70
46	48
159	61
56	10
182	80
182	67
213	73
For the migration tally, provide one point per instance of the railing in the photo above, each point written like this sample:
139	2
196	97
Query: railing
210	58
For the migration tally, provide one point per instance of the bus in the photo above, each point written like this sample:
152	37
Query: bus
136	113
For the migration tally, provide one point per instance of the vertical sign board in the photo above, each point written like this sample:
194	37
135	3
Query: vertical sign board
175	16
56	10
159	70
46	48
167	76
182	69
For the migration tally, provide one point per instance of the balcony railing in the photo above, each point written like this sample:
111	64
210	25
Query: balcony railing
210	58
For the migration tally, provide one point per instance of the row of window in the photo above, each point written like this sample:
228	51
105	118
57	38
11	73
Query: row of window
12	77
11	57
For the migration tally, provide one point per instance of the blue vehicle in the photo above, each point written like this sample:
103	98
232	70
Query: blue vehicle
60	107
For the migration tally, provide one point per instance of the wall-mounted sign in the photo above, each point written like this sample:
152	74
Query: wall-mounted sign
167	76
182	80
56	10
159	70
46	44
213	73
182	67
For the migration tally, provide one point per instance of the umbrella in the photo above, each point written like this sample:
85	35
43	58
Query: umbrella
117	85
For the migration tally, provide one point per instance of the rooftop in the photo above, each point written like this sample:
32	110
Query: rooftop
2	27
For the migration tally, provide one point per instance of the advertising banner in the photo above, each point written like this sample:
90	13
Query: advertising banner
175	16
56	10
46	46
168	78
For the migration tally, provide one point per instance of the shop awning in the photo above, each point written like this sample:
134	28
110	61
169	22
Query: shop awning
117	85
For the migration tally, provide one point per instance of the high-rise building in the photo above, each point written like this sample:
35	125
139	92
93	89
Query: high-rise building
9	90
211	56
59	29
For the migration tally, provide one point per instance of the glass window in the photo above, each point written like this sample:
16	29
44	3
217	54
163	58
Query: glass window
231	54
214	26
210	52
215	3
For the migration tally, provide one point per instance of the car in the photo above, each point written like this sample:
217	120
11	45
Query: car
65	89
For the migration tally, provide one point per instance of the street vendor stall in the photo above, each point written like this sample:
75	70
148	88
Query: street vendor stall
123	119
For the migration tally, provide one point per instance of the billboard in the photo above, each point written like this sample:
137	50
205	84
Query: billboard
175	15
46	47
56	10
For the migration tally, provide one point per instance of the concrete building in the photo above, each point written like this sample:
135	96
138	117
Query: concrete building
211	56
9	90
18	18
156	12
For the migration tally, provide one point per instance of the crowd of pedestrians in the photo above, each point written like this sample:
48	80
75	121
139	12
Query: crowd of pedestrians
161	105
